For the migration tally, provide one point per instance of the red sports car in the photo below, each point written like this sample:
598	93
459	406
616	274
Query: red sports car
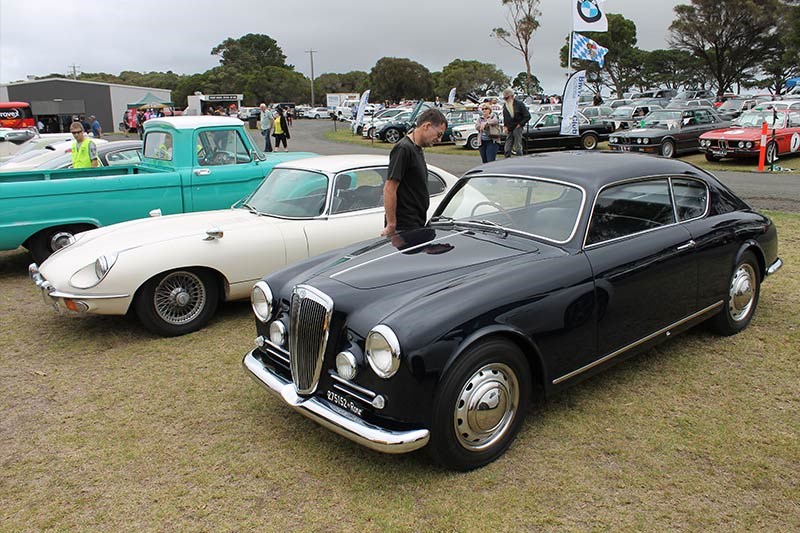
743	137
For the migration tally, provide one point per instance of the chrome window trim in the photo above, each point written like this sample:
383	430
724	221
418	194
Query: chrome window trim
636	343
332	181
537	178
669	177
708	198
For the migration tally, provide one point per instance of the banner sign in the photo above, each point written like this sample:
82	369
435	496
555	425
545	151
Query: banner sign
451	98
361	106
569	103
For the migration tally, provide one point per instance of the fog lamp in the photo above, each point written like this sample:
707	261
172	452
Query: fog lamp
346	365
277	333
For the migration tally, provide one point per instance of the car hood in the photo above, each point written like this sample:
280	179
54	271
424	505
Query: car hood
734	133
135	234
424	252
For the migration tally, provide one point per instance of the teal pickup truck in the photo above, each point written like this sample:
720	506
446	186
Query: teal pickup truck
189	164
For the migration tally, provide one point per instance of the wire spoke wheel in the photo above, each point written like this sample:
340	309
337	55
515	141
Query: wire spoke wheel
179	298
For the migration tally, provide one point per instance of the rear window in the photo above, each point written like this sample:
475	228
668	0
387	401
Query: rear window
158	145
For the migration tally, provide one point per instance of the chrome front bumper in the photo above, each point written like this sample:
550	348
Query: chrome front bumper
351	427
774	267
57	299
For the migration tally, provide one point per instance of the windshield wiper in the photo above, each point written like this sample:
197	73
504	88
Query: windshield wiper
250	208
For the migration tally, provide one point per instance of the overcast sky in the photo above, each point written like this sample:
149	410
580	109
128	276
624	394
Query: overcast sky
38	37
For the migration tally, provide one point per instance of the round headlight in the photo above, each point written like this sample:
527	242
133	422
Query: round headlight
261	301
749	144
346	365
103	264
741	144
383	351
277	333
645	141
613	140
639	141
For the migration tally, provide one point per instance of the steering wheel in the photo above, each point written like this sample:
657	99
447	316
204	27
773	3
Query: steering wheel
497	206
222	158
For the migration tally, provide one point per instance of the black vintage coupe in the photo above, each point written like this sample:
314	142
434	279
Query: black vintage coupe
535	272
543	132
668	132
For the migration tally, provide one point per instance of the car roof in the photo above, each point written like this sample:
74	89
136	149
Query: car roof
589	169
191	122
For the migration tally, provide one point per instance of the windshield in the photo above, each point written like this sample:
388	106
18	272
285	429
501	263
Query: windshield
685	95
662	119
288	192
533	206
754	119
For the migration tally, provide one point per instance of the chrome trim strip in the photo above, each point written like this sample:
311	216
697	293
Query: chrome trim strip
340	379
405	250
774	267
349	392
277	351
636	343
359	431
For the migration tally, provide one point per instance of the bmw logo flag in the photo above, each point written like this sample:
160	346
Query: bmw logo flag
588	15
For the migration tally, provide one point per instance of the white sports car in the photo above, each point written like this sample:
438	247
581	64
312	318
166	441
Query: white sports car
173	271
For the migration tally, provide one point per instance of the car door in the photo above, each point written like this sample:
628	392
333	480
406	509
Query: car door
643	263
544	133
223	168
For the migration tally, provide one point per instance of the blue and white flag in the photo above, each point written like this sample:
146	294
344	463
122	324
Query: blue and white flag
585	48
587	15
569	103
361	107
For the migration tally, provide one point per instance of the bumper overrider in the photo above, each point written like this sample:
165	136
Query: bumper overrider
65	302
337	420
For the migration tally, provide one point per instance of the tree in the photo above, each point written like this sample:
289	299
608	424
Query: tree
250	51
623	62
395	78
470	76
355	81
520	84
522	23
275	84
672	69
730	38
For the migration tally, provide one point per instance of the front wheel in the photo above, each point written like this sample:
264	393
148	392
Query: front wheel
742	298
772	153
473	143
589	141
44	243
480	405
393	135
668	148
177	302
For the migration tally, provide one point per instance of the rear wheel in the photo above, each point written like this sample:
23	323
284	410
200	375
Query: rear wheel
480	405
177	302
47	241
742	298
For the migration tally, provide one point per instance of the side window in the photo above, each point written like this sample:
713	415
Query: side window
794	120
703	117
690	198
436	185
358	189
221	147
630	208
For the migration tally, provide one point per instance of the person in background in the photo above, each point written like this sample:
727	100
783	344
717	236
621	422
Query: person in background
87	127
97	131
405	193
515	116
164	150
84	151
488	126
597	100
266	126
39	125
280	131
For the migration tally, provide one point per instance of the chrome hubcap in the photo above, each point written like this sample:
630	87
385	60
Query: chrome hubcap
668	150
179	298
742	292
486	406
59	240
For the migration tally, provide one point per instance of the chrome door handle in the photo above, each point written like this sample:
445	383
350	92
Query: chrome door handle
202	172
690	244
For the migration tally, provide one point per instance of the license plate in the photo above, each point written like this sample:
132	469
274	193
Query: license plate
719	152
344	403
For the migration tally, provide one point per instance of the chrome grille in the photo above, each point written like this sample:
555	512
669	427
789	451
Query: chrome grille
723	144
310	317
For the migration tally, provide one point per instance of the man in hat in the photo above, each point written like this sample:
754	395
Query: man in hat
515	116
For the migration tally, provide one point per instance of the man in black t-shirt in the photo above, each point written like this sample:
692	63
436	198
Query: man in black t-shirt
405	194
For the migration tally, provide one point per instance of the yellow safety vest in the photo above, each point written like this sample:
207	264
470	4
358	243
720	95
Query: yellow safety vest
278	128
80	155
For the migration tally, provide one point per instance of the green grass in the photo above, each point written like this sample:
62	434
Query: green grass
105	427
